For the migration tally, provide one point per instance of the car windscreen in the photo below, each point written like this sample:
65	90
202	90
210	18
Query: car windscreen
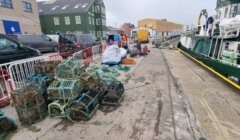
85	38
70	37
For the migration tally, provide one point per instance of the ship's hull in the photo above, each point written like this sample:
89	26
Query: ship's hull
222	68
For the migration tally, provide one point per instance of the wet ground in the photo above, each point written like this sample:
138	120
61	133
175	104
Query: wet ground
167	97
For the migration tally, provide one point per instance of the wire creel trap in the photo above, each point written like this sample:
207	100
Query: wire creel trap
65	90
29	104
69	69
113	94
46	68
7	125
84	107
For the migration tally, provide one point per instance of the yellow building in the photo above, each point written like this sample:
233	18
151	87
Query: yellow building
19	16
163	27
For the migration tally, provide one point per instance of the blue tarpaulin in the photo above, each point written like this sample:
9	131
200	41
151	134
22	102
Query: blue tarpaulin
11	27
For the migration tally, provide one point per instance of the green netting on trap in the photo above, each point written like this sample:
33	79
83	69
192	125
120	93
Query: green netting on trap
84	107
65	90
69	69
57	109
29	104
7	125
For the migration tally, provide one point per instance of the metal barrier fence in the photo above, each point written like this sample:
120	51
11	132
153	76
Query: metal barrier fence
13	75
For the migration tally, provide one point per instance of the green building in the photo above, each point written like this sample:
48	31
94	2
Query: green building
73	16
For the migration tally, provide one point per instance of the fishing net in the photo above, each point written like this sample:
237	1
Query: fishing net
7	125
57	109
46	68
29	104
69	69
113	94
65	90
84	107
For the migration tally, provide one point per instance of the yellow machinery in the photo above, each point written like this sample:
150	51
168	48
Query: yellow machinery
143	36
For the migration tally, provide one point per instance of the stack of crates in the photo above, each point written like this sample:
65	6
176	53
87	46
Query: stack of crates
230	57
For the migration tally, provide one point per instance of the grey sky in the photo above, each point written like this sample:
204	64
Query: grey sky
180	11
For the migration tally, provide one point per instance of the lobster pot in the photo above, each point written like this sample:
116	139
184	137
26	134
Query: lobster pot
7	125
113	94
57	109
69	69
29	104
84	107
39	80
46	68
65	90
90	79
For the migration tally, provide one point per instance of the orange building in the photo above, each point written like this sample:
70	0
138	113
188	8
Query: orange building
163	26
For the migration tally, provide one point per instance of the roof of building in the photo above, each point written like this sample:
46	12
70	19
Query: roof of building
53	7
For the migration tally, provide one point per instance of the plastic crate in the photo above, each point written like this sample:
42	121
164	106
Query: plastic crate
84	107
65	90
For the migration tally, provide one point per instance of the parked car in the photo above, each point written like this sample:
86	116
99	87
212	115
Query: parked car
11	50
41	42
74	43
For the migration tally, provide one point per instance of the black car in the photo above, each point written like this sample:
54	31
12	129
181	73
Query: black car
42	43
74	43
11	50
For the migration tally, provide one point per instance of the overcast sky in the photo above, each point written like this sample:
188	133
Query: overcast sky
180	11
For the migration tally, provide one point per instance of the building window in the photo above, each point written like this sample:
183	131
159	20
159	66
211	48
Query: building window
104	22
98	21
99	33
6	3
67	20
97	9
103	10
93	8
27	7
78	19
93	22
56	20
89	20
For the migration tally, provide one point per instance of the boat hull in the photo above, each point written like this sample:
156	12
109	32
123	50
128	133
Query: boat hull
222	68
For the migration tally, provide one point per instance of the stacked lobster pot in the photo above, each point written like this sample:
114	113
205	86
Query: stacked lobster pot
7	125
29	104
112	90
43	76
66	87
